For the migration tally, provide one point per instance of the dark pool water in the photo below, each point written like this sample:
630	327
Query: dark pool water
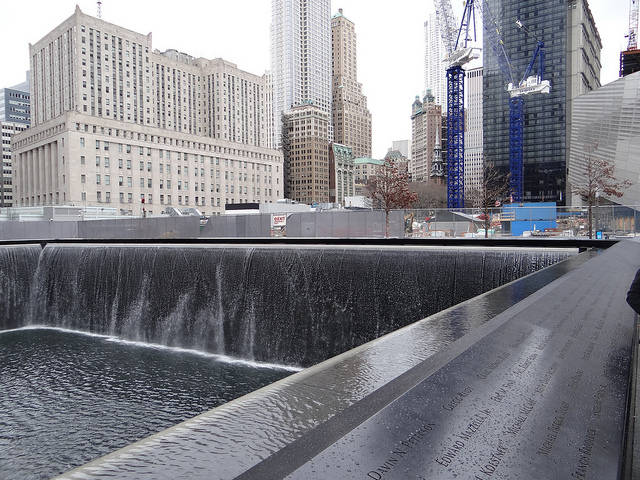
67	398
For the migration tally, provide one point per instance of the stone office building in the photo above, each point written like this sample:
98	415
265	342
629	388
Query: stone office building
351	117
115	122
306	154
341	173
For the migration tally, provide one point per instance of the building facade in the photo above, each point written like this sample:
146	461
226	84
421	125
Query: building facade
350	115
399	160
605	126
300	57
365	169
306	156
435	78
78	159
568	31
473	154
15	117
426	120
341	173
95	82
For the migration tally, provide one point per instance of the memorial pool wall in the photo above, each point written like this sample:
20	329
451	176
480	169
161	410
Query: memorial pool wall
295	305
531	334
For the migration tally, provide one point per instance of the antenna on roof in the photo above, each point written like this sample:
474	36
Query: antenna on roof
99	8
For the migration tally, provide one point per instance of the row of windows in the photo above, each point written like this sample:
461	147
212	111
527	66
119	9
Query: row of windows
177	142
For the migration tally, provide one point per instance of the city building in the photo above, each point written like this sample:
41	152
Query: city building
351	117
473	155
300	58
306	156
15	104
115	122
365	168
402	146
435	78
399	159
15	117
341	173
605	126
426	120
573	67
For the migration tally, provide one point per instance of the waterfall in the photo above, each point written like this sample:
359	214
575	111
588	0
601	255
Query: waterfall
290	305
18	265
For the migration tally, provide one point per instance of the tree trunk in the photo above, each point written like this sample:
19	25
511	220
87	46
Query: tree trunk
590	209
386	223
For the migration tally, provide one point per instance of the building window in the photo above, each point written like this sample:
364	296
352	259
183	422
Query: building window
82	160
83	178
97	144
97	161
107	179
97	179
82	142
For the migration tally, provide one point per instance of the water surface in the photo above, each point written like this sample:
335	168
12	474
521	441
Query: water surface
67	398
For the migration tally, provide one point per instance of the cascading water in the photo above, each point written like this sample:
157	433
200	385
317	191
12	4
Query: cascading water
17	268
294	305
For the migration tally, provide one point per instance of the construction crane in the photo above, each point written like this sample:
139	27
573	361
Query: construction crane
528	85
630	58
459	53
633	25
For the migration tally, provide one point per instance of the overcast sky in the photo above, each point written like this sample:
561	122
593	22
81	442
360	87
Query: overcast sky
390	41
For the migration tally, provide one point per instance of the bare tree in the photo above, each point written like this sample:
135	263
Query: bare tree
598	179
493	188
389	189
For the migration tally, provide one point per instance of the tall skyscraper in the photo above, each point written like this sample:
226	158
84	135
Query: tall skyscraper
434	68
300	58
15	117
351	117
115	122
473	154
573	67
426	124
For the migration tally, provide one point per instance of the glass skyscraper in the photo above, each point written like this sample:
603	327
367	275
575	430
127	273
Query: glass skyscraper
572	47
545	115
300	57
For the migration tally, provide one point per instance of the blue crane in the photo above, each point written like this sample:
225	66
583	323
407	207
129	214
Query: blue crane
459	54
528	85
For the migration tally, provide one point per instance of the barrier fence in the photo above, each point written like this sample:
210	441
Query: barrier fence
611	221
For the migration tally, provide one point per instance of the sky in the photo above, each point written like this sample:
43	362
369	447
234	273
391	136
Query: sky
390	41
